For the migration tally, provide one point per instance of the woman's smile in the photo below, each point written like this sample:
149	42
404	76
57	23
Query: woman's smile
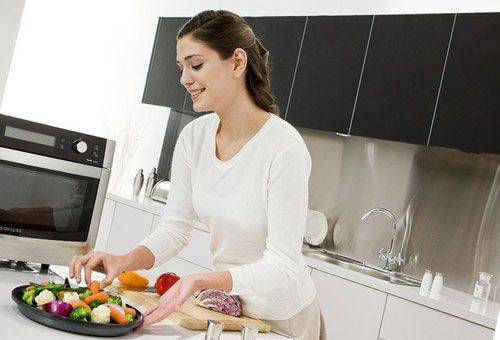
195	94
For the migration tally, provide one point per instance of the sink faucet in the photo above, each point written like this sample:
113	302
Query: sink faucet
392	262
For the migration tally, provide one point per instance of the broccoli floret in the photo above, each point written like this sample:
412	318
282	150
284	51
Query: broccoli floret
29	296
80	313
115	299
95	303
130	317
83	293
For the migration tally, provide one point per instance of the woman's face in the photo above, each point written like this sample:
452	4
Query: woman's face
210	81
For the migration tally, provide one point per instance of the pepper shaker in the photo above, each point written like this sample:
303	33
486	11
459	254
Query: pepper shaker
249	332
149	185
138	181
214	330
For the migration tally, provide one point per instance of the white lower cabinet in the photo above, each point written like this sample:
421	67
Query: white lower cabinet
108	212
410	321
350	310
129	227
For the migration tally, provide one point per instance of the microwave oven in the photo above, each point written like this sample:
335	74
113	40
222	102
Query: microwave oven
53	184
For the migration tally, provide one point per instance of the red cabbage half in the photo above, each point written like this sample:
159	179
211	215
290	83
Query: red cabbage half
219	301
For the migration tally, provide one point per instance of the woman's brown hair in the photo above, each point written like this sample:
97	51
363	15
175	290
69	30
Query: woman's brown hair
224	31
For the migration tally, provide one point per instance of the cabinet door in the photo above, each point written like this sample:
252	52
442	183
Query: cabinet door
163	85
350	310
130	226
401	77
410	321
328	72
468	112
282	37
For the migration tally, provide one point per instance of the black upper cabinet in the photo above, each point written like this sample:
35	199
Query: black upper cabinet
328	72
282	37
401	77
162	83
468	113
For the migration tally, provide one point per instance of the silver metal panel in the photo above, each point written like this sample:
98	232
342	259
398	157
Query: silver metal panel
109	154
50	163
449	199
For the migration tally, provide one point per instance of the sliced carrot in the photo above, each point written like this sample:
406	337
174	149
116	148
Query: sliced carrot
94	287
43	283
117	316
61	294
132	311
78	303
29	287
101	296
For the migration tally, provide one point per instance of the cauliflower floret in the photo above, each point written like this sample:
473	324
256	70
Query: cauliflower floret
44	297
70	296
100	314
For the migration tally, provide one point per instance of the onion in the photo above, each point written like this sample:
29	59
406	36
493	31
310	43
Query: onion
58	307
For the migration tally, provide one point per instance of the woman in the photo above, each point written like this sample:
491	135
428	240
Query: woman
242	171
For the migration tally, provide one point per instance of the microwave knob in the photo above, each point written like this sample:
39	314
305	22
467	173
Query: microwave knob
79	146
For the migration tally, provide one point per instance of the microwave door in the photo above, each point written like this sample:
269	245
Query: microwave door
46	198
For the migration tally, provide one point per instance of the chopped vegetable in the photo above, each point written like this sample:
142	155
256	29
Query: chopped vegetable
133	279
49	286
94	287
219	301
80	313
30	287
130	317
131	311
60	294
83	292
101	296
70	296
78	303
95	303
115	299
58	307
29	296
165	281
100	314
44	297
117	315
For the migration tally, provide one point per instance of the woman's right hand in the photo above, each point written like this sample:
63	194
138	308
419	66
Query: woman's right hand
111	265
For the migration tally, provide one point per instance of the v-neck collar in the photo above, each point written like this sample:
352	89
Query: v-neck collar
232	160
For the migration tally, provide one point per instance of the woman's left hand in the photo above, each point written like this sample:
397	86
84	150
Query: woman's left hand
173	299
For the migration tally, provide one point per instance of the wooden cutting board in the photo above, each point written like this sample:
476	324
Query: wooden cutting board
191	316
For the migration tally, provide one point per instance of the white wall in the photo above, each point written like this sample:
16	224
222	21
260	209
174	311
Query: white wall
82	65
10	18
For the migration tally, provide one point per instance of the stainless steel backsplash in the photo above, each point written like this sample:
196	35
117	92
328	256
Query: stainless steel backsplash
450	199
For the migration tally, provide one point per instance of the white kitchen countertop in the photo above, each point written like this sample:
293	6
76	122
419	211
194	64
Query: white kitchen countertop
452	301
17	326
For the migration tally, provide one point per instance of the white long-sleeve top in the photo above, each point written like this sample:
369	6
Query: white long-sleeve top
255	206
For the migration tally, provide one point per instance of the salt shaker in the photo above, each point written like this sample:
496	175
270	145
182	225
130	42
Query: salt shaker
150	183
249	332
214	330
138	181
437	286
425	286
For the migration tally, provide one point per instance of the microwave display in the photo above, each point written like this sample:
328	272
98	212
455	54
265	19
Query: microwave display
30	136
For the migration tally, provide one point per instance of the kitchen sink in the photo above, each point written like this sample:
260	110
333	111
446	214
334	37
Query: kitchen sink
360	267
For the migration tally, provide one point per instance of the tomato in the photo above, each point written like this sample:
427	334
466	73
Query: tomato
165	281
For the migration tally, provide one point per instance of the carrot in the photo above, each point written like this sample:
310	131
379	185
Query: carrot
116	316
133	279
30	287
61	294
78	303
43	283
101	296
130	310
94	287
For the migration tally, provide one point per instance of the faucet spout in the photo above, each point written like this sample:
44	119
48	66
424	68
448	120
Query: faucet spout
391	261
